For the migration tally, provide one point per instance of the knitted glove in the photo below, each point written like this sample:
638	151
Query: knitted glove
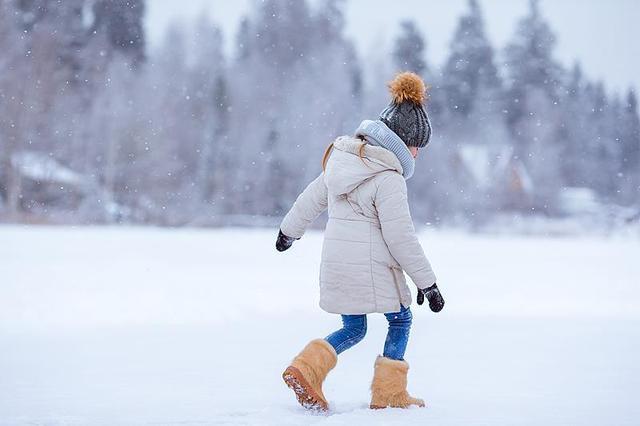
436	302
283	242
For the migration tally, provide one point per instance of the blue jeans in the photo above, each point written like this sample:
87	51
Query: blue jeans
355	327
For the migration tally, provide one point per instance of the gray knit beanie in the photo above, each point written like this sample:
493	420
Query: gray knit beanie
405	115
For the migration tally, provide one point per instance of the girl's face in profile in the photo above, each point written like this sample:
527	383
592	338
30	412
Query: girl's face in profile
414	151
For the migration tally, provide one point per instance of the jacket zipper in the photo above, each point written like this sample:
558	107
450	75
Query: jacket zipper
395	282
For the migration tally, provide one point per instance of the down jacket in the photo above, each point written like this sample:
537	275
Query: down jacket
369	239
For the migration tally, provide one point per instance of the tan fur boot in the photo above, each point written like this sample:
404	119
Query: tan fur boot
307	372
389	386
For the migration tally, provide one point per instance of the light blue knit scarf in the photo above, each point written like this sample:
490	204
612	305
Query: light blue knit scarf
377	133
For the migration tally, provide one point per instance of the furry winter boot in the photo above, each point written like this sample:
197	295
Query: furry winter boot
307	372
389	386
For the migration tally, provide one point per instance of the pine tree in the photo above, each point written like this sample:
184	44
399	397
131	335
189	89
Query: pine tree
470	95
409	54
470	72
123	22
209	107
330	20
243	40
282	32
573	132
12	46
409	50
291	97
530	63
533	88
602	150
630	149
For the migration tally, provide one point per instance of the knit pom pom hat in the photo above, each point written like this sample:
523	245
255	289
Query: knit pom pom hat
406	115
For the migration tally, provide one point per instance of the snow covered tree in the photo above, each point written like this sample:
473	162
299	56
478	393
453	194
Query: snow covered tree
590	133
469	123
179	134
123	22
12	46
330	22
530	64
470	75
410	48
607	115
630	149
210	111
573	134
243	39
533	84
591	119
291	96
30	89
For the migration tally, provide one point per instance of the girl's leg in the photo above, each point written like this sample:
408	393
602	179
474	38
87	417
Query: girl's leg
398	334
353	331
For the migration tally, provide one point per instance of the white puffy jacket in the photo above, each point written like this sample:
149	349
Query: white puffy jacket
369	239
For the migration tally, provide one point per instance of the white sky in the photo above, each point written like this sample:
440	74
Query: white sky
603	34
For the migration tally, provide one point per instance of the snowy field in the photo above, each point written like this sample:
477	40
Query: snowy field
118	326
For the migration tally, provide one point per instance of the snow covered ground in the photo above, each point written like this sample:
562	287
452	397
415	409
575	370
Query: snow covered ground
120	326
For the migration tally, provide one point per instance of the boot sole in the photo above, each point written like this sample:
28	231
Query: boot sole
380	407
305	394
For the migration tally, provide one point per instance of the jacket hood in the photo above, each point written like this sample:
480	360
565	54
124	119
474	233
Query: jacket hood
378	134
345	170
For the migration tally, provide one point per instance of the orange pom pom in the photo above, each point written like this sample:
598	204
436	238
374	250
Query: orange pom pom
407	86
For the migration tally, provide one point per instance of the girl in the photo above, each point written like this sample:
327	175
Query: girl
368	242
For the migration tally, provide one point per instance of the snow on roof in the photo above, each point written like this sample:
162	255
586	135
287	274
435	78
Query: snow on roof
503	159
579	200
487	165
523	174
40	167
476	160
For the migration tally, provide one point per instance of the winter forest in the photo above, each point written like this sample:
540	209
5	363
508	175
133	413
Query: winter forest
96	127
147	162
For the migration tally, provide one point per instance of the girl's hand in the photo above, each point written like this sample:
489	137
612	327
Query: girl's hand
436	302
283	242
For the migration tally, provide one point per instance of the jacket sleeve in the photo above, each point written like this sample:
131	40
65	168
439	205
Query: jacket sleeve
398	232
308	206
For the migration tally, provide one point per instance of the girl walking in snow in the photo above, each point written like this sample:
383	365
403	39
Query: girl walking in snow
368	242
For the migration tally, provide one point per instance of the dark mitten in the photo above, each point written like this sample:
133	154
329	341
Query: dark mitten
283	242
432	293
